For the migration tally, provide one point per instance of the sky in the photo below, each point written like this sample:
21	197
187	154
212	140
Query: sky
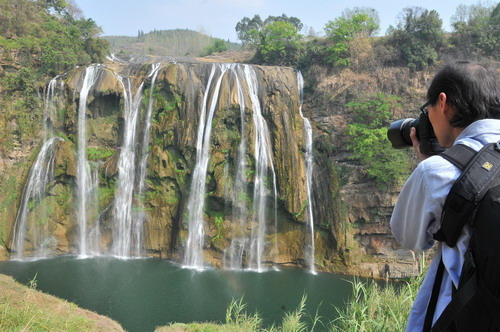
218	18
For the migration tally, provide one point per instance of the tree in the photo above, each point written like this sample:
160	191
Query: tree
218	46
371	12
418	37
283	18
248	30
57	5
280	43
342	30
477	31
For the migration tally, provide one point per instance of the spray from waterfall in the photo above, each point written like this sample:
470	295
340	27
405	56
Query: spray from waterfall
83	167
196	202
310	245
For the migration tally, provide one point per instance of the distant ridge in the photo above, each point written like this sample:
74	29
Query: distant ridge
177	42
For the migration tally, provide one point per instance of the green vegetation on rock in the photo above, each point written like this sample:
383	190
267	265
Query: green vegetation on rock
99	153
368	139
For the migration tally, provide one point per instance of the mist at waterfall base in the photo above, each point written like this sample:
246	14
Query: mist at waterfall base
142	294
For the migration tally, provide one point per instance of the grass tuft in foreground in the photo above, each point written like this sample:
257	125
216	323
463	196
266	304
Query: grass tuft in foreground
371	308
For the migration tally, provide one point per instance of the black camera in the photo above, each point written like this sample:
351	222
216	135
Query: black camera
399	134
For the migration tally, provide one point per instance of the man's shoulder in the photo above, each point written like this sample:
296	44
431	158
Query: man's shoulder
435	163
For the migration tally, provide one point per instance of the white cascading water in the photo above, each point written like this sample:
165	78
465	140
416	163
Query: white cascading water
49	108
263	165
123	213
40	175
94	237
239	242
309	246
196	202
83	167
140	216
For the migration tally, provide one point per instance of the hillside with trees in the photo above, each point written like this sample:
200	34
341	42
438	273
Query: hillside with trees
39	39
417	41
178	42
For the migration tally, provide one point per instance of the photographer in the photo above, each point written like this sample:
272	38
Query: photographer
463	103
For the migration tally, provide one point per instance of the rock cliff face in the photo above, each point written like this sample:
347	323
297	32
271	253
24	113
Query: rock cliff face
350	214
359	212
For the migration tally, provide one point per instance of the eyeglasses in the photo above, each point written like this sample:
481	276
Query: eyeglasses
423	108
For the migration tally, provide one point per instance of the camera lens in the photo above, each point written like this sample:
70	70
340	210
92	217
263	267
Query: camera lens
399	132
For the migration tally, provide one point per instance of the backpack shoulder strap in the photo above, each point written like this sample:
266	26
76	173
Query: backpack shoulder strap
478	173
459	155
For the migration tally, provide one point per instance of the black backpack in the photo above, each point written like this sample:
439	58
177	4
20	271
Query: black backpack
474	199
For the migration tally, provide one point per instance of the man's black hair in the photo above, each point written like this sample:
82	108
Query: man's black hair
471	89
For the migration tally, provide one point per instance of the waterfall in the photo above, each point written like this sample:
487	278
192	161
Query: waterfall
83	168
249	168
196	202
239	242
40	175
95	233
49	108
263	164
123	213
310	247
140	216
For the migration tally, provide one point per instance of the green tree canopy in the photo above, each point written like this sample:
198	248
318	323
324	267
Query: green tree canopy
418	37
342	30
280	43
249	31
477	31
283	18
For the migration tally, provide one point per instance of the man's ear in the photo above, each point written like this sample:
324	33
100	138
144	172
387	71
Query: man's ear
445	108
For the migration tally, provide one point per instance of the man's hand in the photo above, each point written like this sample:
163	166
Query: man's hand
416	145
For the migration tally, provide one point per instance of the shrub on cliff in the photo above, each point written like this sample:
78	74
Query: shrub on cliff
368	141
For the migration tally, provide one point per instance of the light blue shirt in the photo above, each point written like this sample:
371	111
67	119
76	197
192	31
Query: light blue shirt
417	216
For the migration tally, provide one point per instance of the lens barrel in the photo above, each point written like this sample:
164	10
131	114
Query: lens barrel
399	135
399	132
